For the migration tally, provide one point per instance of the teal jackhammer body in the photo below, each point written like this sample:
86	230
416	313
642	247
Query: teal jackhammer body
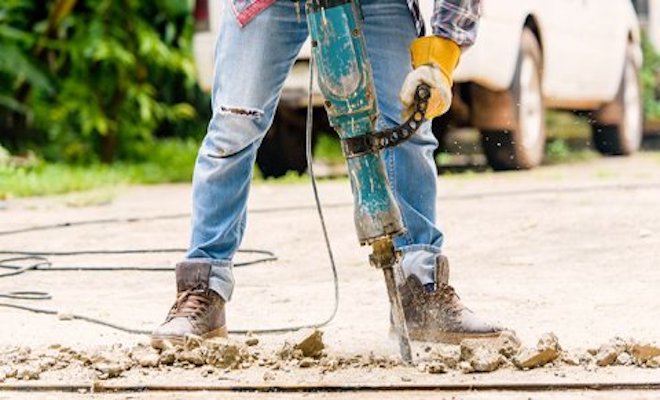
345	79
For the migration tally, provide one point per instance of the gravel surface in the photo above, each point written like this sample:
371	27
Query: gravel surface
571	250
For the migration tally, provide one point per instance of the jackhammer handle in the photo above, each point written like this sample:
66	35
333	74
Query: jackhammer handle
419	108
377	141
422	95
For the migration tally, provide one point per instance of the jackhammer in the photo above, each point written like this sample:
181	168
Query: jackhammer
345	79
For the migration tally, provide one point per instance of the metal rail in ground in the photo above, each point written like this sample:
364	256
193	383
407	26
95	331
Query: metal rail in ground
100	387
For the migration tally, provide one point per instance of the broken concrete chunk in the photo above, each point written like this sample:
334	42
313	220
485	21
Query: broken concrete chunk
507	344
435	367
606	356
468	348
108	363
329	364
28	372
465	367
223	353
486	359
108	370
8	371
654	362
194	357
191	342
306	362
624	359
533	358
146	356
547	350
447	354
548	341
47	362
309	342
167	357
148	360
644	352
569	359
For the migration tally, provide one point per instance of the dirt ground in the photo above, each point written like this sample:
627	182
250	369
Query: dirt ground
570	249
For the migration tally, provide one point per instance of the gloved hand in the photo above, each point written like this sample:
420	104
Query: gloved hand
434	59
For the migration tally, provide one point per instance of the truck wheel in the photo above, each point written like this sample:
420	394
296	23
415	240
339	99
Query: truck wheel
522	146
617	127
283	147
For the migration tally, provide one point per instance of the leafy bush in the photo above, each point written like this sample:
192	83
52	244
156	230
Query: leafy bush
171	161
651	80
88	80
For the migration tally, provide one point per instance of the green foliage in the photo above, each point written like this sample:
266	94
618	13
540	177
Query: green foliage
651	80
172	160
328	149
559	151
89	80
566	125
49	179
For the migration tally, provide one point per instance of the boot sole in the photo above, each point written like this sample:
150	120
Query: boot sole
158	342
455	338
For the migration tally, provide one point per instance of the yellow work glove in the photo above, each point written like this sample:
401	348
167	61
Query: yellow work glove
434	60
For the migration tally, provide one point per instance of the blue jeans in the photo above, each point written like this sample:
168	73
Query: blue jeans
251	65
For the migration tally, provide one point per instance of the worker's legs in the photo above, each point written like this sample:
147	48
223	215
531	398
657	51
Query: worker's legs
432	309
250	68
251	65
389	29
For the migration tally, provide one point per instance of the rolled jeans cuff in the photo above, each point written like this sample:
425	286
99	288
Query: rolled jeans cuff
221	280
419	260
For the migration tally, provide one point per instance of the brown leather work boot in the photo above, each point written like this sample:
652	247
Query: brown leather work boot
436	313
197	309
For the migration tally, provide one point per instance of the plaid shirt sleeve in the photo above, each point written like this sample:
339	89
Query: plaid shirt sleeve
457	20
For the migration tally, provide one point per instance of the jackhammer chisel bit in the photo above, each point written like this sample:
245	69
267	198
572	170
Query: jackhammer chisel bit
385	257
345	79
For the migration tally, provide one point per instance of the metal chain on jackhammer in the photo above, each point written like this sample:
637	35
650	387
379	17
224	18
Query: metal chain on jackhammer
377	141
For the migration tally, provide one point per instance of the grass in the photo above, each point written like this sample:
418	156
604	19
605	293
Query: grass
173	161
169	161
558	151
565	125
569	138
52	179
328	149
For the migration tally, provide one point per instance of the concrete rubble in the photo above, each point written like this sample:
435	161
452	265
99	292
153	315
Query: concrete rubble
306	349
643	352
547	350
309	342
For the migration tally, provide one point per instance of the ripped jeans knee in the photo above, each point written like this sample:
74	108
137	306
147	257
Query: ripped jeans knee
240	111
233	128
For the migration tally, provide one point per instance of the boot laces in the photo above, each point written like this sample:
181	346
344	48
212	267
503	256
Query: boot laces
190	303
450	299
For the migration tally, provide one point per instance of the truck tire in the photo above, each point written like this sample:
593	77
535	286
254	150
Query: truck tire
521	146
617	126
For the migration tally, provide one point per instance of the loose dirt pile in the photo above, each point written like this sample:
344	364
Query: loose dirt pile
306	349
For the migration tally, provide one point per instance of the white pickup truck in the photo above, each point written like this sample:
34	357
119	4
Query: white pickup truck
530	55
